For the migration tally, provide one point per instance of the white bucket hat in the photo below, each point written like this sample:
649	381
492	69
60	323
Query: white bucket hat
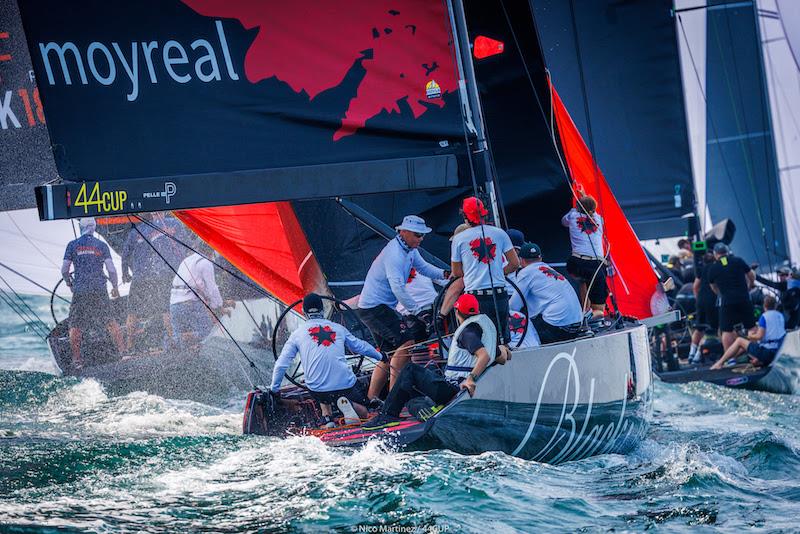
413	223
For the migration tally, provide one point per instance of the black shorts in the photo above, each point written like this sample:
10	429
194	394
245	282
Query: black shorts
486	305
90	310
356	394
549	333
762	354
707	315
149	296
732	314
386	326
584	270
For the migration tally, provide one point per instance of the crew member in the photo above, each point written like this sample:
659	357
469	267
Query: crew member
194	291
152	256
553	306
706	316
476	254
520	326
762	343
731	279
90	303
587	263
789	293
321	345
384	287
423	291
474	349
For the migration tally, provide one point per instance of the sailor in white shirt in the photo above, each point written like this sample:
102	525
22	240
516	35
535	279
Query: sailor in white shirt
477	255
553	307
587	262
523	334
763	341
190	316
321	345
384	287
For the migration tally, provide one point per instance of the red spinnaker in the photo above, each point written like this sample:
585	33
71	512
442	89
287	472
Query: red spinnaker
265	242
634	284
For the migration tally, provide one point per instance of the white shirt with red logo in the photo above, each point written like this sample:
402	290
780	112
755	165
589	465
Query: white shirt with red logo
548	292
517	323
321	344
480	250
421	289
388	274
585	233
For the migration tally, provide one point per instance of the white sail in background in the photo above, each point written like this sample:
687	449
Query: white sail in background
691	32
779	22
35	250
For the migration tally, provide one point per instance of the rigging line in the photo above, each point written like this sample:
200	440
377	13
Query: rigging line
607	255
778	90
34	324
566	174
769	245
482	133
716	135
745	147
40	286
29	322
22	233
553	138
239	277
584	94
251	315
23	302
4	297
795	54
214	315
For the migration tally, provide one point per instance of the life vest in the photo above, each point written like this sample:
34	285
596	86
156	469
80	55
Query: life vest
460	361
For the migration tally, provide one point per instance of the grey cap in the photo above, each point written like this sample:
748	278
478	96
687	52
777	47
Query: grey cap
721	249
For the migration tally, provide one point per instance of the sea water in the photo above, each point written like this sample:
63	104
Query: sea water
74	459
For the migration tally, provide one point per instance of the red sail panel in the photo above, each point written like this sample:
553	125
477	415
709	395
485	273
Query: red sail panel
265	242
634	284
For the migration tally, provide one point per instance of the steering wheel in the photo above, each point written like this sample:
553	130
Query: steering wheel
524	311
437	304
341	306
52	299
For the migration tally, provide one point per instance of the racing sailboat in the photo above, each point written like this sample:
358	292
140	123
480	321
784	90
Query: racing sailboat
316	118
682	74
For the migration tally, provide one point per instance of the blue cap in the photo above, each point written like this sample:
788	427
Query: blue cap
517	237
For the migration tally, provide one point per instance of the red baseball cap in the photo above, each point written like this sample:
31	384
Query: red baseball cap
474	210
467	305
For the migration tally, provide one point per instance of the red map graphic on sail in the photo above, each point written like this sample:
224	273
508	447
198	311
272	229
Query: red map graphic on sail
312	45
323	336
484	251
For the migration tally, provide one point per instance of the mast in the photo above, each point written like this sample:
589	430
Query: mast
473	114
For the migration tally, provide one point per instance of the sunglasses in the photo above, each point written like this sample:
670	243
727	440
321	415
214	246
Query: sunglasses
418	235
